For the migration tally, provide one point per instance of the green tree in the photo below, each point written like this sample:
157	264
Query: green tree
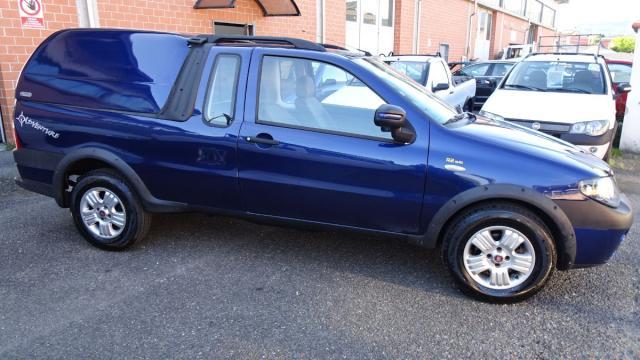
625	44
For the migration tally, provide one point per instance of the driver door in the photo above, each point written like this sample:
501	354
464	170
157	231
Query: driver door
314	154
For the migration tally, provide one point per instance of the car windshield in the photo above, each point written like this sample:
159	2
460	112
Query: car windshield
429	104
557	76
417	71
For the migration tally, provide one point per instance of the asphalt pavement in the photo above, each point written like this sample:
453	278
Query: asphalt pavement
204	286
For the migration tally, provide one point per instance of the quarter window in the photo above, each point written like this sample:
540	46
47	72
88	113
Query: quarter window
221	96
439	74
313	95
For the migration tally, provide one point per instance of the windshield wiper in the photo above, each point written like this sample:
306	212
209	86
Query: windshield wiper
525	87
461	116
573	90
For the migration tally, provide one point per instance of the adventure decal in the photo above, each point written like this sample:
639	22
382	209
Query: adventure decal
25	120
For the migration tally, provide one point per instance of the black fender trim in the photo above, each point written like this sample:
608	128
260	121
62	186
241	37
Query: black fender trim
564	235
150	203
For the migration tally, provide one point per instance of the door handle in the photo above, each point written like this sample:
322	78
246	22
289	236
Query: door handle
262	138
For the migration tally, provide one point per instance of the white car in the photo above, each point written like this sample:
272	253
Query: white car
569	96
433	73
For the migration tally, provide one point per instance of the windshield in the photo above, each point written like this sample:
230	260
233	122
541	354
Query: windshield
417	71
428	103
557	76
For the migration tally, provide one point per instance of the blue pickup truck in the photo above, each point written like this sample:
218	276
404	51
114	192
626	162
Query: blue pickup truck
117	125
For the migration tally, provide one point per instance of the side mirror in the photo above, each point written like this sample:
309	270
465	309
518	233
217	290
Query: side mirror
623	88
391	119
440	87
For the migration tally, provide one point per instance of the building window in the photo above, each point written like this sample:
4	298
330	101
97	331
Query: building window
87	13
224	28
548	16
492	3
352	11
535	11
515	6
386	8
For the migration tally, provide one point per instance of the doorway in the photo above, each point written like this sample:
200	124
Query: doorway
369	25
483	36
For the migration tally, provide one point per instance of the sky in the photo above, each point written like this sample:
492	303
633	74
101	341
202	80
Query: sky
608	17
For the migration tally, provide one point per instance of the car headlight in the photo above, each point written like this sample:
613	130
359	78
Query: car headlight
602	189
491	116
591	128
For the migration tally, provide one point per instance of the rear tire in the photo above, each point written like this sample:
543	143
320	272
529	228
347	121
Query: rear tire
499	252
107	212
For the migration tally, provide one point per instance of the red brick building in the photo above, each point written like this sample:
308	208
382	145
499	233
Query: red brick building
460	29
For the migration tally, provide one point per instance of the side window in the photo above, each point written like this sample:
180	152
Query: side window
475	70
620	73
438	74
500	69
322	97
221	96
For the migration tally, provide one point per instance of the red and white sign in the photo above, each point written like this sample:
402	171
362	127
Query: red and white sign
31	14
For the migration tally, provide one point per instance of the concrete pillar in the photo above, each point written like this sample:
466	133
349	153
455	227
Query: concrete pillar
630	139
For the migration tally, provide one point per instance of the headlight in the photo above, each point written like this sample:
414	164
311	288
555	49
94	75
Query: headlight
491	115
602	189
591	128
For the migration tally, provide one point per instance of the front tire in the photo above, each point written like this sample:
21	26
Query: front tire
499	252
107	212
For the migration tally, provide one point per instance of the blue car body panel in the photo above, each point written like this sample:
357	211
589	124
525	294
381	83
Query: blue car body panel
309	176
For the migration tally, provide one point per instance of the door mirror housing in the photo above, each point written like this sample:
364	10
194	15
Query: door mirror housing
391	118
440	87
623	88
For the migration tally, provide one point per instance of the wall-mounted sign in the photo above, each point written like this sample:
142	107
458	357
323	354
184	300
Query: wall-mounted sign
31	14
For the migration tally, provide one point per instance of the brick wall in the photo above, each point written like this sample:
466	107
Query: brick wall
180	16
403	26
444	22
508	30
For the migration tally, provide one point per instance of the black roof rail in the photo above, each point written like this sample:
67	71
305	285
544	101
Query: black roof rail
337	47
432	55
566	53
240	40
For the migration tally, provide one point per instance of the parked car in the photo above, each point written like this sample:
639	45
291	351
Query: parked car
432	72
116	130
620	75
516	52
487	74
569	96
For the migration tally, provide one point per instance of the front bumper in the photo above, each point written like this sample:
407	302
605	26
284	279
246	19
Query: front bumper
596	145
598	150
599	229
